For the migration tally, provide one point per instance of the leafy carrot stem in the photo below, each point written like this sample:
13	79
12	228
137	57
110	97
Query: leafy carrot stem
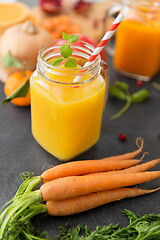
20	204
28	185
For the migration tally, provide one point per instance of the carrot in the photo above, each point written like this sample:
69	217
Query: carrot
85	167
135	169
142	168
54	174
89	166
90	188
92	200
69	187
130	155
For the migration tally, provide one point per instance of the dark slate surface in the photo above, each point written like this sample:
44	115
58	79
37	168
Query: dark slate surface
19	152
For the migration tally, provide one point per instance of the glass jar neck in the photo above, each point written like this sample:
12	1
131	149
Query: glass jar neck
81	53
145	5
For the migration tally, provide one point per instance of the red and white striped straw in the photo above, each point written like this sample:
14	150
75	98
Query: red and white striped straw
103	42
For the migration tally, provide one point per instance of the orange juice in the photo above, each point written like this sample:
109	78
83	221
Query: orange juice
12	13
137	46
66	117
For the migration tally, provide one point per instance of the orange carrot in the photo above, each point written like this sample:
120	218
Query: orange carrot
85	167
135	169
92	200
69	187
142	167
91	166
130	155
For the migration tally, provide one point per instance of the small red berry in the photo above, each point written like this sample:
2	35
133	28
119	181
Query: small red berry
122	137
139	83
159	135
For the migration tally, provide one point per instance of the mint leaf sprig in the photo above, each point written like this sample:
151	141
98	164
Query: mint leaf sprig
121	91
66	52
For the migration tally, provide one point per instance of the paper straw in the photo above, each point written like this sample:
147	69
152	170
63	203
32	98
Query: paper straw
103	42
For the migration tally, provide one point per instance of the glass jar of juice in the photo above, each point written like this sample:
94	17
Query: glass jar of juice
11	14
137	40
66	115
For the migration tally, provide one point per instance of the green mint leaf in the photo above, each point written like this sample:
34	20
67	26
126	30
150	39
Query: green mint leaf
122	85
19	92
71	62
117	92
73	38
66	50
65	36
56	62
140	96
10	61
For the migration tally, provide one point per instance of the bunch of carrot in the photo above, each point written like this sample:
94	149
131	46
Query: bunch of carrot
75	187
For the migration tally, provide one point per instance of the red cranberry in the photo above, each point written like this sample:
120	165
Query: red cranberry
139	83
122	137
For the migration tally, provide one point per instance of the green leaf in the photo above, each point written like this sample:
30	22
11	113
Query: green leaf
19	92
10	61
73	38
122	85
156	85
140	96
65	36
71	62
66	50
123	109
117	92
56	62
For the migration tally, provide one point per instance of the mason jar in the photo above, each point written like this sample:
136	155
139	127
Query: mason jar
66	115
137	39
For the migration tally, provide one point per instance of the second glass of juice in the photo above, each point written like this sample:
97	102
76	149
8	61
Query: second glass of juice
137	45
66	115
